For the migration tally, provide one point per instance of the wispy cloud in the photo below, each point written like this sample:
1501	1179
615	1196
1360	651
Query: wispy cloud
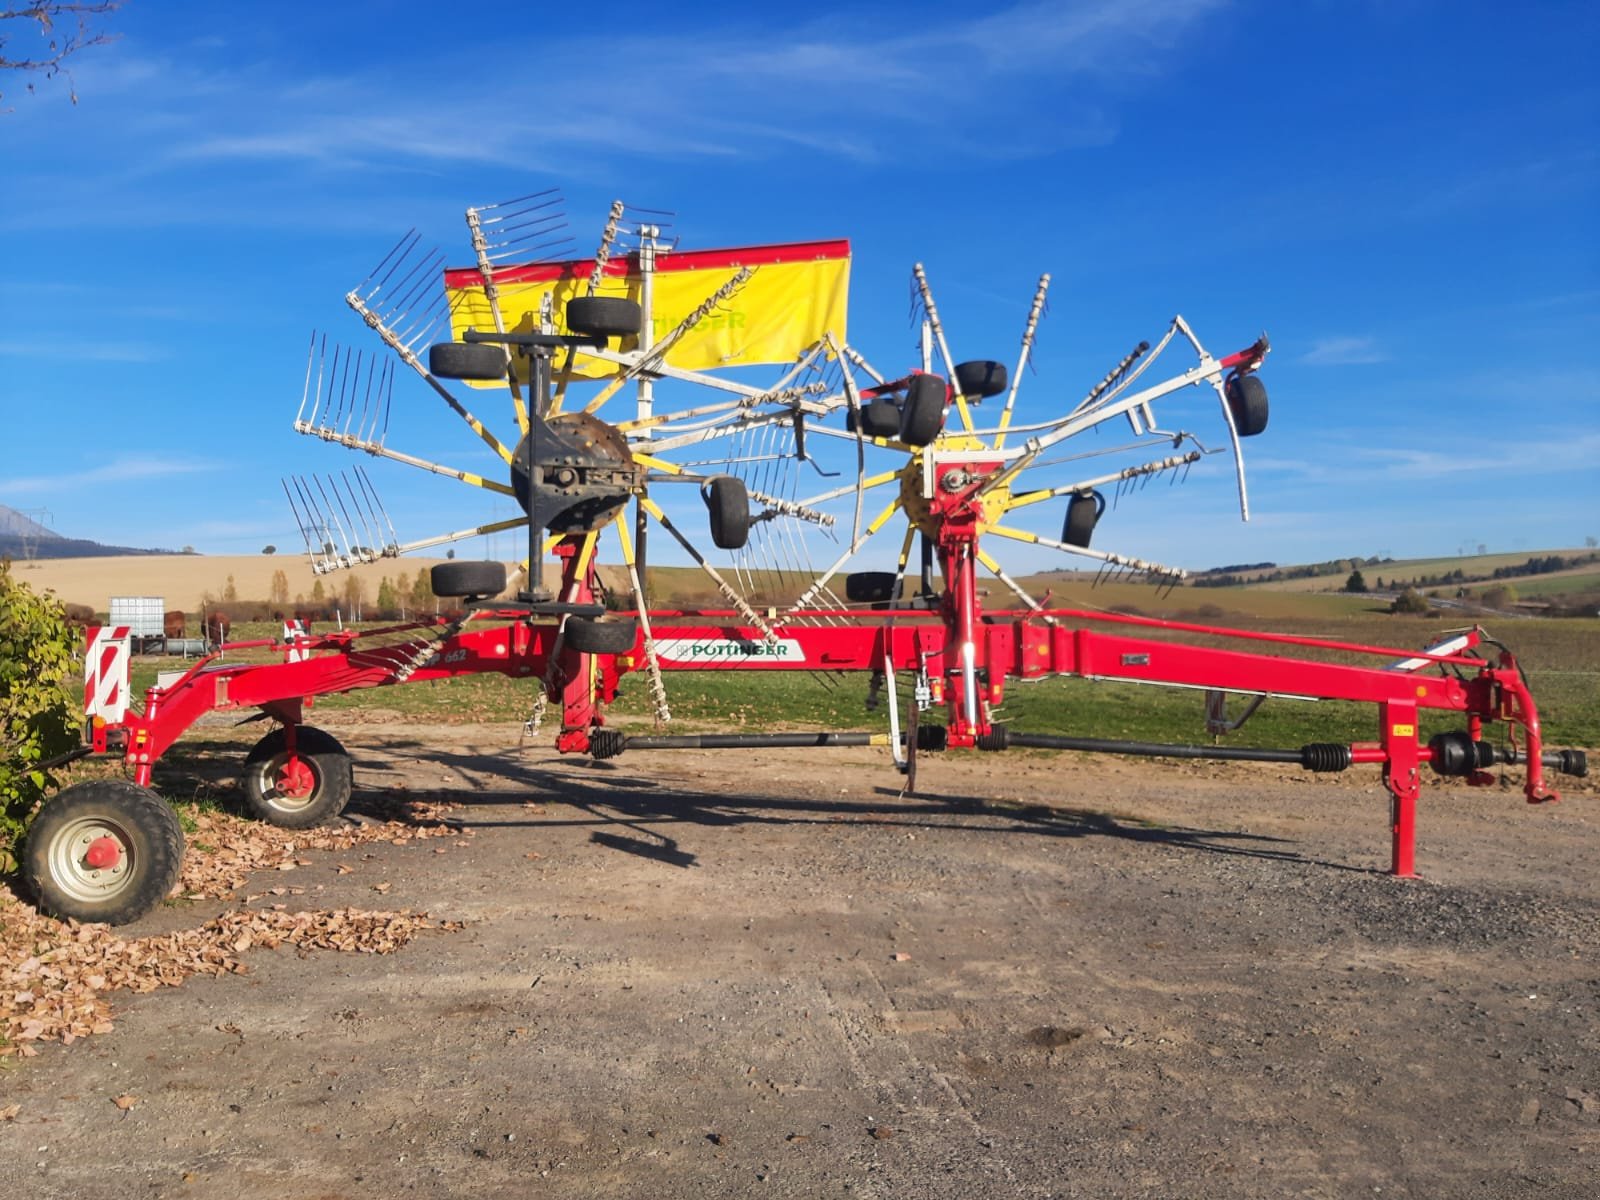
1554	453
127	469
86	350
853	85
1344	352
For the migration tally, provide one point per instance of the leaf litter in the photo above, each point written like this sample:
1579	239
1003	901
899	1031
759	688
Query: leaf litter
56	976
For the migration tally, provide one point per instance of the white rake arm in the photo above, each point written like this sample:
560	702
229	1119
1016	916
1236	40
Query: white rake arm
608	238
458	535
728	592
1028	332
659	350
775	504
1115	560
867	483
937	326
491	293
658	686
394	343
789	397
1016	588
411	460
1019	499
1206	370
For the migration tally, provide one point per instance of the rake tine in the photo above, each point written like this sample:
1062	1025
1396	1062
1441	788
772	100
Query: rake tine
294	509
359	522
354	517
1024	357
425	326
342	370
317	524
513	250
555	192
374	527
322	362
361	475
349	554
401	248
415	286
305	393
363	427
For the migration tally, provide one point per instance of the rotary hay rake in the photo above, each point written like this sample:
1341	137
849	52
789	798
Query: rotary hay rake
563	337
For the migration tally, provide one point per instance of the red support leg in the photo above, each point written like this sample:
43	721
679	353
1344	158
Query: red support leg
1402	774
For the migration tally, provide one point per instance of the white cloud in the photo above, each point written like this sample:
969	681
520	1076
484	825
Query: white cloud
1344	351
1503	458
127	469
86	350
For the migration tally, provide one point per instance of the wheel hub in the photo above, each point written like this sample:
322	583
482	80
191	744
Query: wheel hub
104	853
296	780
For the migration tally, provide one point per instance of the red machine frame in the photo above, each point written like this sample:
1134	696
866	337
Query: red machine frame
965	653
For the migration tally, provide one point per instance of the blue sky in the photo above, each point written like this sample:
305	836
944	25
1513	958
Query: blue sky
1404	194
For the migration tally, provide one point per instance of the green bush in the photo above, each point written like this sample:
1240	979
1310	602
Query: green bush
38	718
1410	601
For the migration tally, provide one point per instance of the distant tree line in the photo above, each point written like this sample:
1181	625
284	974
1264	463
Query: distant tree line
1233	577
1538	565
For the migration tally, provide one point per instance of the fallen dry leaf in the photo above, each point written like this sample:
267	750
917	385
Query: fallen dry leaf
125	1102
9	1112
55	976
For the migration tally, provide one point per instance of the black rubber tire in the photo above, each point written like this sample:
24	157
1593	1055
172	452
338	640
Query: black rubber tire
468	579
329	763
869	587
1247	400
604	316
601	637
729	502
981	379
922	418
149	841
467	360
880	419
1083	513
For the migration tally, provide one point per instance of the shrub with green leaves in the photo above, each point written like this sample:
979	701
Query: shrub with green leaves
38	718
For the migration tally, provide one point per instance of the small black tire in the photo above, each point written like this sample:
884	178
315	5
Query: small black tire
604	316
1083	514
729	502
315	790
468	579
879	419
922	418
870	587
109	819
980	379
601	637
467	360
1247	401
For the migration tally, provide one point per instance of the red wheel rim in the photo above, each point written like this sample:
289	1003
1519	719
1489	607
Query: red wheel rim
296	780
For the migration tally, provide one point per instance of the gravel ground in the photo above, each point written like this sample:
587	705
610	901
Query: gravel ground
701	974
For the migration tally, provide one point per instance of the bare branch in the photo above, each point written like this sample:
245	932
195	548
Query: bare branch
55	32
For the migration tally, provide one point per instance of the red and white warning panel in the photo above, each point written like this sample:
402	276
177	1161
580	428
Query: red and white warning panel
105	673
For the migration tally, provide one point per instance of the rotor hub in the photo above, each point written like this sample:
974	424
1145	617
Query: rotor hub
583	472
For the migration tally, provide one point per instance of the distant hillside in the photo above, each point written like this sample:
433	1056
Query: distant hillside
23	538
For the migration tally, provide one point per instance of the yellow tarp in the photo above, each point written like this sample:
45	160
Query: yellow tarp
796	294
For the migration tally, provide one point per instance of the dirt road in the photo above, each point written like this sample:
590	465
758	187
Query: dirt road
690	975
